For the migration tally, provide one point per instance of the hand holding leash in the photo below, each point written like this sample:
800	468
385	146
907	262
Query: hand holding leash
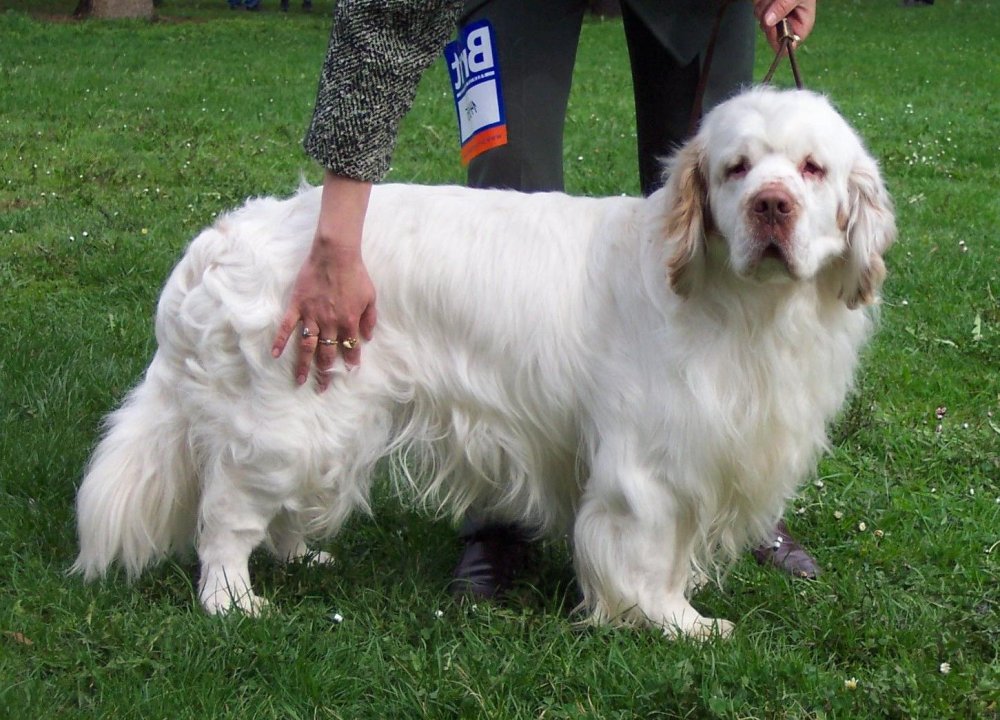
800	14
786	23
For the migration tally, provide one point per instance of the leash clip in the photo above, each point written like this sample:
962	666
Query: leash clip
786	44
785	33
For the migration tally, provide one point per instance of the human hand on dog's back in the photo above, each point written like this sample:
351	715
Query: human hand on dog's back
377	53
333	296
801	15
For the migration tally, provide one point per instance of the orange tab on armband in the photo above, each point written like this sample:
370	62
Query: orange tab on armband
482	141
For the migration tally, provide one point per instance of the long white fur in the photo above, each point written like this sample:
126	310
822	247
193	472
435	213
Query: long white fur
630	370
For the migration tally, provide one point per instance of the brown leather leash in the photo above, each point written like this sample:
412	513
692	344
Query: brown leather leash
786	45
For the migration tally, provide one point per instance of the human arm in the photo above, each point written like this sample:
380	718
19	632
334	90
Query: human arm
377	53
801	15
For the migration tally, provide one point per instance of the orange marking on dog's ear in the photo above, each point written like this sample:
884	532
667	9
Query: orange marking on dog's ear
687	216
871	229
843	218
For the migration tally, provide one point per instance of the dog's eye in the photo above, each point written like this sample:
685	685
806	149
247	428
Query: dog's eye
812	169
738	169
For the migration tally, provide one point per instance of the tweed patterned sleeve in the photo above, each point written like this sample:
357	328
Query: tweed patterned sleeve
378	51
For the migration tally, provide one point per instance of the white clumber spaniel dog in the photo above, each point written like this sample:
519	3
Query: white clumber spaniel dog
655	376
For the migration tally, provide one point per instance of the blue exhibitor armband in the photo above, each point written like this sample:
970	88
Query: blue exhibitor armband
475	82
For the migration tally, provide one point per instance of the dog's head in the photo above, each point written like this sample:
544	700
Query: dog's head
781	184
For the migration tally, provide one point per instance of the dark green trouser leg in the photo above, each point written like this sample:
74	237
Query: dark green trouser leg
536	49
665	88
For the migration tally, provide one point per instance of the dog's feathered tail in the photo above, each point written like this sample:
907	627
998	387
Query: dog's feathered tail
138	497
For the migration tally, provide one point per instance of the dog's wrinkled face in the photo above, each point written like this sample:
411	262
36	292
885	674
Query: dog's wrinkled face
787	190
777	183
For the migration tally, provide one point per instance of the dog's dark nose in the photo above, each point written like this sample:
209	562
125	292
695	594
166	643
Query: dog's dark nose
773	206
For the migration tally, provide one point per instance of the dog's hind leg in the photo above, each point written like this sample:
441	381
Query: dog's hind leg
234	518
633	547
287	541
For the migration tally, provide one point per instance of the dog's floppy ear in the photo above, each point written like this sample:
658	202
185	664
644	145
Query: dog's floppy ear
871	229
687	195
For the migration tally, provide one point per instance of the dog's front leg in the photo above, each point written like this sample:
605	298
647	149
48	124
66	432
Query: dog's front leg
633	547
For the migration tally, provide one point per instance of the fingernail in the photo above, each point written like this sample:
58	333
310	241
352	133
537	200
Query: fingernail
301	379
770	18
275	352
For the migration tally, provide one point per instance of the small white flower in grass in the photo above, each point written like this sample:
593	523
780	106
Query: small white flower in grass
337	618
439	614
879	534
838	515
944	668
851	684
862	527
818	483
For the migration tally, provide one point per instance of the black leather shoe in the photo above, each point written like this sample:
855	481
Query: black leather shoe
490	561
785	553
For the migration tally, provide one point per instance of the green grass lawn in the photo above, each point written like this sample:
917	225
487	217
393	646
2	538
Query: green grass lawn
119	141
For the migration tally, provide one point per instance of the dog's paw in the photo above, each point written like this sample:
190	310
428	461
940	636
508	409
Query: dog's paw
703	629
224	601
299	552
317	557
697	581
715	628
